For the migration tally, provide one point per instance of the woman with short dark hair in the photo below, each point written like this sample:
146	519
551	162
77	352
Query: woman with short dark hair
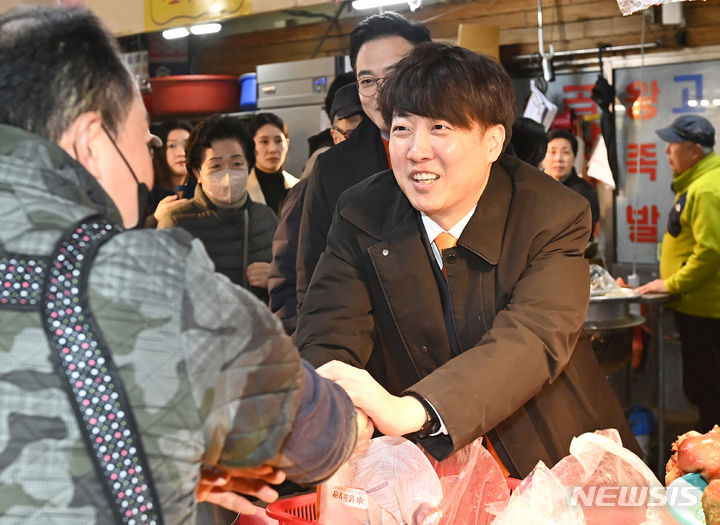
169	165
559	163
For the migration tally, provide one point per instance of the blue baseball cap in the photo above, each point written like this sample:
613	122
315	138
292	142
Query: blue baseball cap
691	128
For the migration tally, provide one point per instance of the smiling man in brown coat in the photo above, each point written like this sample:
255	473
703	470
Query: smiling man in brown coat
474	339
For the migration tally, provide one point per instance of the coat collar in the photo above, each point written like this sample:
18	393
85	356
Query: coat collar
366	133
485	231
682	181
255	191
382	211
364	149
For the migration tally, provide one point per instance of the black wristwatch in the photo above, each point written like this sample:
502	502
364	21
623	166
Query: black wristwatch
432	420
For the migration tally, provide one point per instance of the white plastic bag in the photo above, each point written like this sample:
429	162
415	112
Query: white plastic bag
599	482
384	484
394	482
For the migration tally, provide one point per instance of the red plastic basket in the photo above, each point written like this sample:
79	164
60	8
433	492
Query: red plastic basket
302	510
298	510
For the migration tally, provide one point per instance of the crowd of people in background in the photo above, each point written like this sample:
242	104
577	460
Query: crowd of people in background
415	262
265	256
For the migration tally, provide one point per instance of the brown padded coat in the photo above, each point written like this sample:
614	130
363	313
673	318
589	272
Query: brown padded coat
520	289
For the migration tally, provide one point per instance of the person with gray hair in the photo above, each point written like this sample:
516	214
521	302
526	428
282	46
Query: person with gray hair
690	259
127	363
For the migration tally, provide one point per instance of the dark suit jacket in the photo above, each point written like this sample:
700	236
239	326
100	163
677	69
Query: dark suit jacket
584	188
339	168
519	291
282	280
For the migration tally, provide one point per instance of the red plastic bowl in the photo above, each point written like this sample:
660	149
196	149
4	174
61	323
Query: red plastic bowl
191	94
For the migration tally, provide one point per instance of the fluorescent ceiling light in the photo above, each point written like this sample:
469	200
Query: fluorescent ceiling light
372	4
176	32
205	29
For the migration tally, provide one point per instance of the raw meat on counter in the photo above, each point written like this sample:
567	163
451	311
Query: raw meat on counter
695	452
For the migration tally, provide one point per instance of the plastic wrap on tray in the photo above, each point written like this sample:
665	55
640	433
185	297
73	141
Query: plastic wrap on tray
601	282
471	480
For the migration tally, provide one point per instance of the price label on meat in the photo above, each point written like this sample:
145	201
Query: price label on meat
352	497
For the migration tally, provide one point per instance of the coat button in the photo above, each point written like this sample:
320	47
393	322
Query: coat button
385	252
424	349
451	258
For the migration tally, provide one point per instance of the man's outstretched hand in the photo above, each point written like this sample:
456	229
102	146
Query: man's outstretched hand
391	415
221	485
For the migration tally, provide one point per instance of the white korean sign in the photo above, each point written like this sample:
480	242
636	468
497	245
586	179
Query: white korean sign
653	102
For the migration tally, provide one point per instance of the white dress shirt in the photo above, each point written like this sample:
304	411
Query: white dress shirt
433	229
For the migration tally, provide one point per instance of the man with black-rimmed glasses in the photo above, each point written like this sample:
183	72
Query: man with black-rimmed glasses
376	44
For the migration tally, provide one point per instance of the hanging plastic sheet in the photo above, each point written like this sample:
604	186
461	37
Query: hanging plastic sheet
628	7
539	108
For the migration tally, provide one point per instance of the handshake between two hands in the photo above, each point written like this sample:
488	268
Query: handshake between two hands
376	407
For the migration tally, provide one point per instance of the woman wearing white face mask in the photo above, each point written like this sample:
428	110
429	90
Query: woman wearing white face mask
237	232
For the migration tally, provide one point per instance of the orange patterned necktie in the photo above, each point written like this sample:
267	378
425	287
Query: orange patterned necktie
444	241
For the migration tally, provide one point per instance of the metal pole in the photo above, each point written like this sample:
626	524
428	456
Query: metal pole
332	24
609	49
661	391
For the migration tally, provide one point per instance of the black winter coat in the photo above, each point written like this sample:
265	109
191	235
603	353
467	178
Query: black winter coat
282	282
584	188
222	231
340	167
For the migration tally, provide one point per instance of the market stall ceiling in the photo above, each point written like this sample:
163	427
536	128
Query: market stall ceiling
239	16
283	30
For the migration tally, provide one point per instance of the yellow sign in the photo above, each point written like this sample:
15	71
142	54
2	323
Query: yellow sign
164	14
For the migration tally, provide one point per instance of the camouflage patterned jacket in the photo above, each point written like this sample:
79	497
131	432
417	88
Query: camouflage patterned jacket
208	369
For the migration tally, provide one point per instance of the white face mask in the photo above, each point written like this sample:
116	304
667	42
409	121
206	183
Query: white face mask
226	188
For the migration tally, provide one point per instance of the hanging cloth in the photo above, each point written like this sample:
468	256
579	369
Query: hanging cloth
603	94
